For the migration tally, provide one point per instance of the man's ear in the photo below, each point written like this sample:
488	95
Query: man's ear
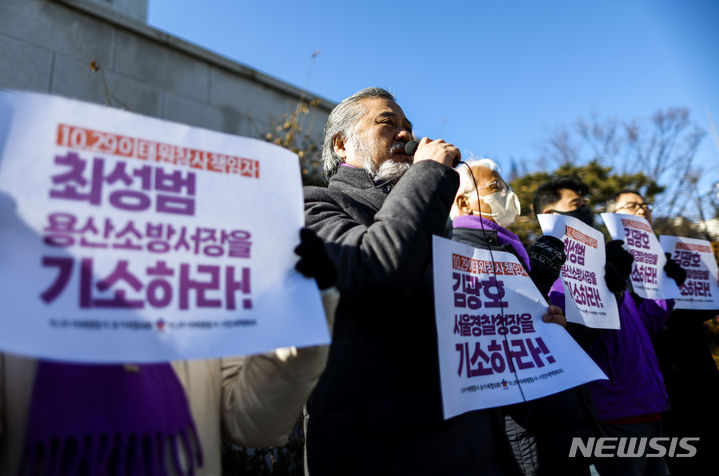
546	209
463	204
338	144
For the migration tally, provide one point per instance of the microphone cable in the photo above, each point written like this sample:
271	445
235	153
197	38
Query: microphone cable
512	366
410	149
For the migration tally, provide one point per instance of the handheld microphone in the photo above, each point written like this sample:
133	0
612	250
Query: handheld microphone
411	147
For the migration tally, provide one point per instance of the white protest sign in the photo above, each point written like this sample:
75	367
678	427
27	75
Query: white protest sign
648	277
494	348
130	239
588	299
700	290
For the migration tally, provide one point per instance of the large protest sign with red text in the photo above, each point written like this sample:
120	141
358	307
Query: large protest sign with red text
700	290
494	348
648	277
588	301
131	239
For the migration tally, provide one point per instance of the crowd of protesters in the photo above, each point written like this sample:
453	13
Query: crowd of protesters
373	402
377	408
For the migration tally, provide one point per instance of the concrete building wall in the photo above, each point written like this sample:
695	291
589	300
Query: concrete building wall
136	9
48	46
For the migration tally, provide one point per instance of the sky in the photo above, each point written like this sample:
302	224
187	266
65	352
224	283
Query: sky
493	77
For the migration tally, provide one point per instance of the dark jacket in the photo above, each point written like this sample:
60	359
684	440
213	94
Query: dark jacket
692	383
380	239
382	378
485	239
626	355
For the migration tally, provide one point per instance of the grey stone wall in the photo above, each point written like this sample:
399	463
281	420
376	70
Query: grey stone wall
48	46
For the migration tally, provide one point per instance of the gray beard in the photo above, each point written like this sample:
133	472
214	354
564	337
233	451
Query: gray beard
388	170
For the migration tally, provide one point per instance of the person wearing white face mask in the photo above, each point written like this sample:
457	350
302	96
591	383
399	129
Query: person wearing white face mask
485	194
482	209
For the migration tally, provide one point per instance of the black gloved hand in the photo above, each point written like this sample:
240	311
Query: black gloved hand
674	270
546	258
618	267
314	261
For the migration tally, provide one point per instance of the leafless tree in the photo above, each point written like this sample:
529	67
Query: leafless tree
663	147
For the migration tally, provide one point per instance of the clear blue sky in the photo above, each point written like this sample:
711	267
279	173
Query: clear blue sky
493	77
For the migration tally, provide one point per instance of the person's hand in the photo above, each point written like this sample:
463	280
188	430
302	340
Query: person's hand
555	315
437	151
618	267
546	258
619	257
674	270
314	261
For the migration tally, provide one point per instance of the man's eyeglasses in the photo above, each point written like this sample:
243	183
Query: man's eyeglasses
497	186
634	206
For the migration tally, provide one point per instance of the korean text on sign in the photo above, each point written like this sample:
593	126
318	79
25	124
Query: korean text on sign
131	239
647	276
493	347
99	142
587	300
700	289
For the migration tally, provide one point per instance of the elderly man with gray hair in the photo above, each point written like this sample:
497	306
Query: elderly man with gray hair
483	209
377	408
481	212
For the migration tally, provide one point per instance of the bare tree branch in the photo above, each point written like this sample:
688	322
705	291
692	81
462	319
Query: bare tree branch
662	147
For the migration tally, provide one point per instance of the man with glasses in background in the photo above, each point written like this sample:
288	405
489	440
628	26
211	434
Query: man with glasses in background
631	203
632	402
690	375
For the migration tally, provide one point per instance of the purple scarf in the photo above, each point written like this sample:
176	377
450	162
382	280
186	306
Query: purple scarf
108	420
476	222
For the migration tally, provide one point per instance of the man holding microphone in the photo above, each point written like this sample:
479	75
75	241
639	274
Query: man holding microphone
377	408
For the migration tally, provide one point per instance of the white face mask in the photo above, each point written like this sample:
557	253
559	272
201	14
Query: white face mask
505	207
